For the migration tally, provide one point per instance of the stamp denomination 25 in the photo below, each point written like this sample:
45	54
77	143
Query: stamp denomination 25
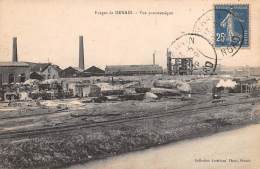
231	25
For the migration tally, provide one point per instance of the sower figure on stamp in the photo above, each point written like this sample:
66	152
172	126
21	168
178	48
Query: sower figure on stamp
228	22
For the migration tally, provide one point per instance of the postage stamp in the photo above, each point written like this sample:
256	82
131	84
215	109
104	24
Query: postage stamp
231	25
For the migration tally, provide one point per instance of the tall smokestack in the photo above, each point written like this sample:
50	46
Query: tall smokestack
154	58
15	59
81	53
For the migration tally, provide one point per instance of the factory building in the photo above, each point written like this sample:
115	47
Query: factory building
14	71
94	71
133	69
182	66
179	66
46	70
70	72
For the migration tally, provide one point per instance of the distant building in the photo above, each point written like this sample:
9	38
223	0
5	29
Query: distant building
14	72
182	66
46	70
245	85
35	75
69	72
133	69
95	71
73	72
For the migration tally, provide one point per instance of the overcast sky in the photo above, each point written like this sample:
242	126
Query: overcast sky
49	30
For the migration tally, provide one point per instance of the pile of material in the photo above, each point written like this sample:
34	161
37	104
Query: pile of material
50	81
107	89
172	84
165	92
131	85
142	89
150	96
132	96
31	82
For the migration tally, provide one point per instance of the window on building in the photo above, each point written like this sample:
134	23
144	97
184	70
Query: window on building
11	78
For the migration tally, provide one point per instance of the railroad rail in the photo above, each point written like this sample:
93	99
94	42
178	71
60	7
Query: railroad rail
64	128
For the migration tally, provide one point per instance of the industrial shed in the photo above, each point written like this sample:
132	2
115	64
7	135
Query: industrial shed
13	72
94	71
245	85
70	72
73	72
133	69
46	70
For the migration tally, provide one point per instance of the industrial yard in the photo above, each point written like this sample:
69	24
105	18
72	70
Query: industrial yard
54	118
120	115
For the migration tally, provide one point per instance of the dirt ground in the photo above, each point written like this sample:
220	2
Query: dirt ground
165	120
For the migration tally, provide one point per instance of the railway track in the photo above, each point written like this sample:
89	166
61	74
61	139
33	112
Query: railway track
33	115
64	128
59	111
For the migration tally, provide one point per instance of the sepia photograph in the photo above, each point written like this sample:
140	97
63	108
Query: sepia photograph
133	84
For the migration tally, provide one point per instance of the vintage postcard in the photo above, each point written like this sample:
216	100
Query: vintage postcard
133	84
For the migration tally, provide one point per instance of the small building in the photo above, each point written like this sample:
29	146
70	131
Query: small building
245	85
82	89
133	69
94	71
182	66
70	72
14	72
73	72
35	75
46	70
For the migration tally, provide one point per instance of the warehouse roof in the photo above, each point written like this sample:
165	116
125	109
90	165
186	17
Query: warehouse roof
133	67
94	69
40	67
13	64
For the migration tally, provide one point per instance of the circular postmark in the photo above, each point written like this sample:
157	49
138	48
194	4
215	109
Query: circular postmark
226	44
195	52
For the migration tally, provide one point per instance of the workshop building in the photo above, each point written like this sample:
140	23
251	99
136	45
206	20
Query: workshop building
46	70
133	69
14	72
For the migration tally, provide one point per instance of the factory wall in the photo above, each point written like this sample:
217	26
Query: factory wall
50	73
14	74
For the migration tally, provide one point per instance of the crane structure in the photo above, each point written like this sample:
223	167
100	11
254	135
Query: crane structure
178	65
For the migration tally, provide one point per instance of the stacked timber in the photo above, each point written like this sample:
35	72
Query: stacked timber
172	84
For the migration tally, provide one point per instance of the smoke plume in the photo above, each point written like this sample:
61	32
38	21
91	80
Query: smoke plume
226	83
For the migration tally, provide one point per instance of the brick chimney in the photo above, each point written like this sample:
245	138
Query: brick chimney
15	57
81	53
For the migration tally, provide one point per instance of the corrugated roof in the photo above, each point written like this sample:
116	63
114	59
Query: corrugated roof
133	67
94	69
78	69
13	64
39	67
